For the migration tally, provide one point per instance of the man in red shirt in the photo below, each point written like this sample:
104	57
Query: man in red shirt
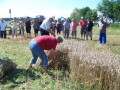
41	43
83	24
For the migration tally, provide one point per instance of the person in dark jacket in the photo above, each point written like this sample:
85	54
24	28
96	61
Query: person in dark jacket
28	27
89	29
58	26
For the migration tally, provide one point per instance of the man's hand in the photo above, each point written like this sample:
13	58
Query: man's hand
51	32
52	55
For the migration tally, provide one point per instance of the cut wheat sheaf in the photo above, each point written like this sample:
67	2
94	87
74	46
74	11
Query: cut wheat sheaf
95	68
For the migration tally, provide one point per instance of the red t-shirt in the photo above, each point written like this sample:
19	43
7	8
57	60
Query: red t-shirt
83	23
46	42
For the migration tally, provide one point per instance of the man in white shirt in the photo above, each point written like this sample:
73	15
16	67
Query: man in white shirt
3	28
45	27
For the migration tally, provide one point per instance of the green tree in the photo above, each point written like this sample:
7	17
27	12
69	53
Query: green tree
116	9
84	12
106	8
94	15
110	8
75	14
88	14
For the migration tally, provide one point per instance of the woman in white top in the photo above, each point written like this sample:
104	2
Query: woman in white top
14	24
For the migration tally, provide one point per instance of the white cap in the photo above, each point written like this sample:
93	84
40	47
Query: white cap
62	19
53	17
53	22
82	17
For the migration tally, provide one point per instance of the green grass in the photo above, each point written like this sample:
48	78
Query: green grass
113	36
18	51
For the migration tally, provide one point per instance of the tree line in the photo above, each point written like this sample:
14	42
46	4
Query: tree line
109	8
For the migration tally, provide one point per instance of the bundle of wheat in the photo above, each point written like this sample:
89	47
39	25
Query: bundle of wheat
5	65
61	56
98	68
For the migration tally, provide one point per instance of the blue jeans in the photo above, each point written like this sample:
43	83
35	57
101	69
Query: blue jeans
74	33
66	34
102	38
37	52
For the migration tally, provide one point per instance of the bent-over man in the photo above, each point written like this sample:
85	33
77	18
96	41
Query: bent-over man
41	43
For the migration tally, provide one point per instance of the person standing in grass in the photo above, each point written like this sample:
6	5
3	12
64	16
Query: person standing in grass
89	29
59	26
102	25
3	28
28	27
83	24
41	43
62	25
74	25
36	25
21	25
14	24
67	28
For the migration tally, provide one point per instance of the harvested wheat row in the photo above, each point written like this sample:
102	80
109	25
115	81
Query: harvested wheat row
100	68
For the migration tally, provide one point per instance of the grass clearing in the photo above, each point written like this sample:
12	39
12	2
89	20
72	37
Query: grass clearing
90	65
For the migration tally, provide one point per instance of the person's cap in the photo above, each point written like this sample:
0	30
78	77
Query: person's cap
53	17
62	19
53	22
73	18
82	17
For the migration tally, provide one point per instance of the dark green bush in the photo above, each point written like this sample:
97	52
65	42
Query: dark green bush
115	25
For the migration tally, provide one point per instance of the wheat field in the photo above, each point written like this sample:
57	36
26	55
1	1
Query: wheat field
82	65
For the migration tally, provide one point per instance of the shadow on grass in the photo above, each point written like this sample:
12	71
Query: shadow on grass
17	76
113	44
96	40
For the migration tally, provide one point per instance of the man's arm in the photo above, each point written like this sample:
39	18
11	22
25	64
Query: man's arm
5	26
51	32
